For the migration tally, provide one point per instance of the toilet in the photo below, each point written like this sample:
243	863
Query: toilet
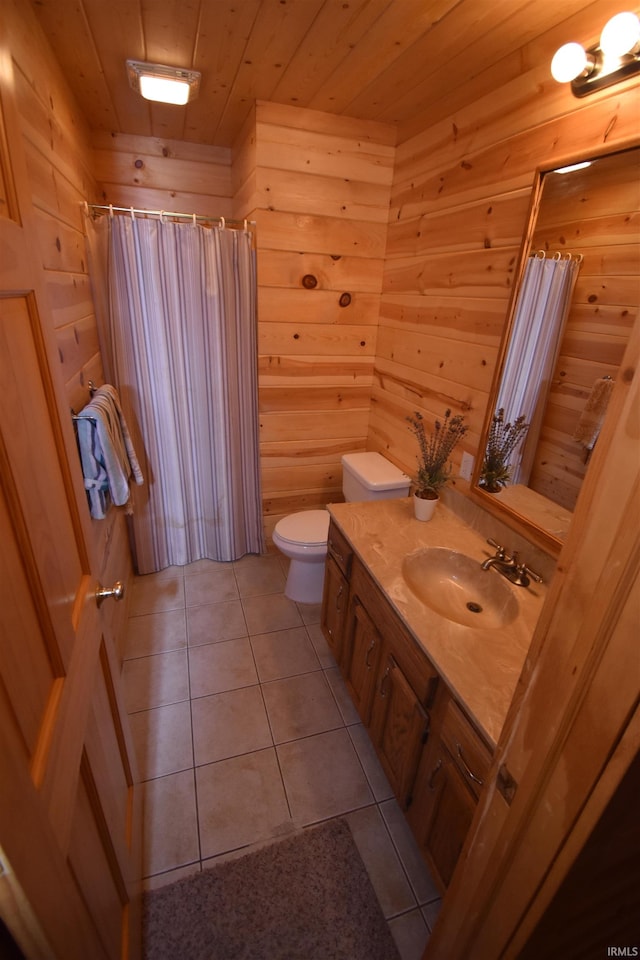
303	536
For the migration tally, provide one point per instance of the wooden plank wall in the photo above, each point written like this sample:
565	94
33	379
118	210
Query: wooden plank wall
57	146
152	174
459	209
318	187
594	212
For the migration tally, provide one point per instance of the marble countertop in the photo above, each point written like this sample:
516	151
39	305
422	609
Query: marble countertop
480	666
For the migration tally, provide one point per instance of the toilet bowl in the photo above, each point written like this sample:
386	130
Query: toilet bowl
303	536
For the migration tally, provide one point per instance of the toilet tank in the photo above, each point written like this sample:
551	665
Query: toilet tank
368	476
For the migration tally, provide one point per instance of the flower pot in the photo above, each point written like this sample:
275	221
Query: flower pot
491	486
423	508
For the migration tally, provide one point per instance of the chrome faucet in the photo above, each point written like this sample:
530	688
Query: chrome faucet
510	567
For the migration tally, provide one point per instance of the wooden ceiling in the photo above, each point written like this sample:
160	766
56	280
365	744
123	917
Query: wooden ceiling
397	61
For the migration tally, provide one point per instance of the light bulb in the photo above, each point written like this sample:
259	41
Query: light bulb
620	35
164	89
568	62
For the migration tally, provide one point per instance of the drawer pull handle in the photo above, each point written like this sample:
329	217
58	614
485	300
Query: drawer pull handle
366	659
434	774
338	596
466	769
337	555
383	692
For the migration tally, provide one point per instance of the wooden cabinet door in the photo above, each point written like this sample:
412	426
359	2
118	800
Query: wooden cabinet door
442	813
399	726
334	608
361	661
68	829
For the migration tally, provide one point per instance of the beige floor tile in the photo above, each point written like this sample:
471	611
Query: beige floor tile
213	585
171	876
275	612
258	576
203	566
155	633
170	832
310	612
210	622
410	933
162	739
323	777
216	667
320	645
229	724
300	706
284	653
380	786
240	801
345	703
155	681
431	912
381	860
155	593
421	881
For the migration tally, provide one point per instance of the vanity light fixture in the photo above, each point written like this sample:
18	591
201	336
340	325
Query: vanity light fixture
154	81
616	58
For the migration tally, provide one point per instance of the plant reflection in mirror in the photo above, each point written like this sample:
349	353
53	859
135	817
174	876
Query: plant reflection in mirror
503	440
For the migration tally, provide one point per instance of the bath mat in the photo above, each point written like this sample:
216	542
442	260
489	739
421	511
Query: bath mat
307	897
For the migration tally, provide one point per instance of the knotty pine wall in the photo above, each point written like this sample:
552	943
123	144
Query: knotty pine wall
594	212
459	210
318	187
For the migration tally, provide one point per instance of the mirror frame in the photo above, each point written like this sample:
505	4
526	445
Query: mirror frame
490	502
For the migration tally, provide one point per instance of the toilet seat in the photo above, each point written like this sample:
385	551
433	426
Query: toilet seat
310	527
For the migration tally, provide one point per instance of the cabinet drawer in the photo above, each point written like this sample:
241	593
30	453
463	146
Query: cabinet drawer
340	549
471	755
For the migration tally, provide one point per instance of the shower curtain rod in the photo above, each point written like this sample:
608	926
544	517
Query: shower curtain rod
109	208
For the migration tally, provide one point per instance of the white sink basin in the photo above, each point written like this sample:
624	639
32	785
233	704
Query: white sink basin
456	587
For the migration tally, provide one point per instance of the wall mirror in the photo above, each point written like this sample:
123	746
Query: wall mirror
572	310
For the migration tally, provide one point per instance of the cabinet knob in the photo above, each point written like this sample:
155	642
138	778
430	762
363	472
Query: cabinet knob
434	774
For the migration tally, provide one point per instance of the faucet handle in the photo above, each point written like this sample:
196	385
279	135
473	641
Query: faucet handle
526	571
500	550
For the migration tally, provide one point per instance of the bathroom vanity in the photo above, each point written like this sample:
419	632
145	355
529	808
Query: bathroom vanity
433	692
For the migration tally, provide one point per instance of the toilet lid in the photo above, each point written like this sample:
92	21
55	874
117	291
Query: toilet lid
309	526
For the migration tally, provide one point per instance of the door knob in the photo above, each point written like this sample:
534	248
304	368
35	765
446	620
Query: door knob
116	591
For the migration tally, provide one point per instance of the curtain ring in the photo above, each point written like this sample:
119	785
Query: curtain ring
579	257
161	216
540	255
223	222
245	225
194	220
111	210
133	216
557	255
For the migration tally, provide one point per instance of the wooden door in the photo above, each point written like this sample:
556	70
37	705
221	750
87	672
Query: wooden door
68	838
362	659
399	727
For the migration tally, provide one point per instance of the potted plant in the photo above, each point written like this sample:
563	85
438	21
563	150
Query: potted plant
503	440
434	468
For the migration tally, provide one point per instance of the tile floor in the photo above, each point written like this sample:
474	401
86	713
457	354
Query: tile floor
244	732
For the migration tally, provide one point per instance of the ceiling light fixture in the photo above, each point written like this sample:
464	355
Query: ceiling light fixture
154	81
616	58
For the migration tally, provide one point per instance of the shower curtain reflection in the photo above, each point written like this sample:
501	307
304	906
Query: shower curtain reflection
177	324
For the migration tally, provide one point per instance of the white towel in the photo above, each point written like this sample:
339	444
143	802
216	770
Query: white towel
593	415
108	458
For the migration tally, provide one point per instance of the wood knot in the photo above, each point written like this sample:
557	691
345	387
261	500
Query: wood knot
309	281
345	300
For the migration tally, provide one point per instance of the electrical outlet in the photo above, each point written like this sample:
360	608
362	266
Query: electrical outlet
466	466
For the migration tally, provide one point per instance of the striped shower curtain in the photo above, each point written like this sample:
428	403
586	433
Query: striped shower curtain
541	311
176	307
